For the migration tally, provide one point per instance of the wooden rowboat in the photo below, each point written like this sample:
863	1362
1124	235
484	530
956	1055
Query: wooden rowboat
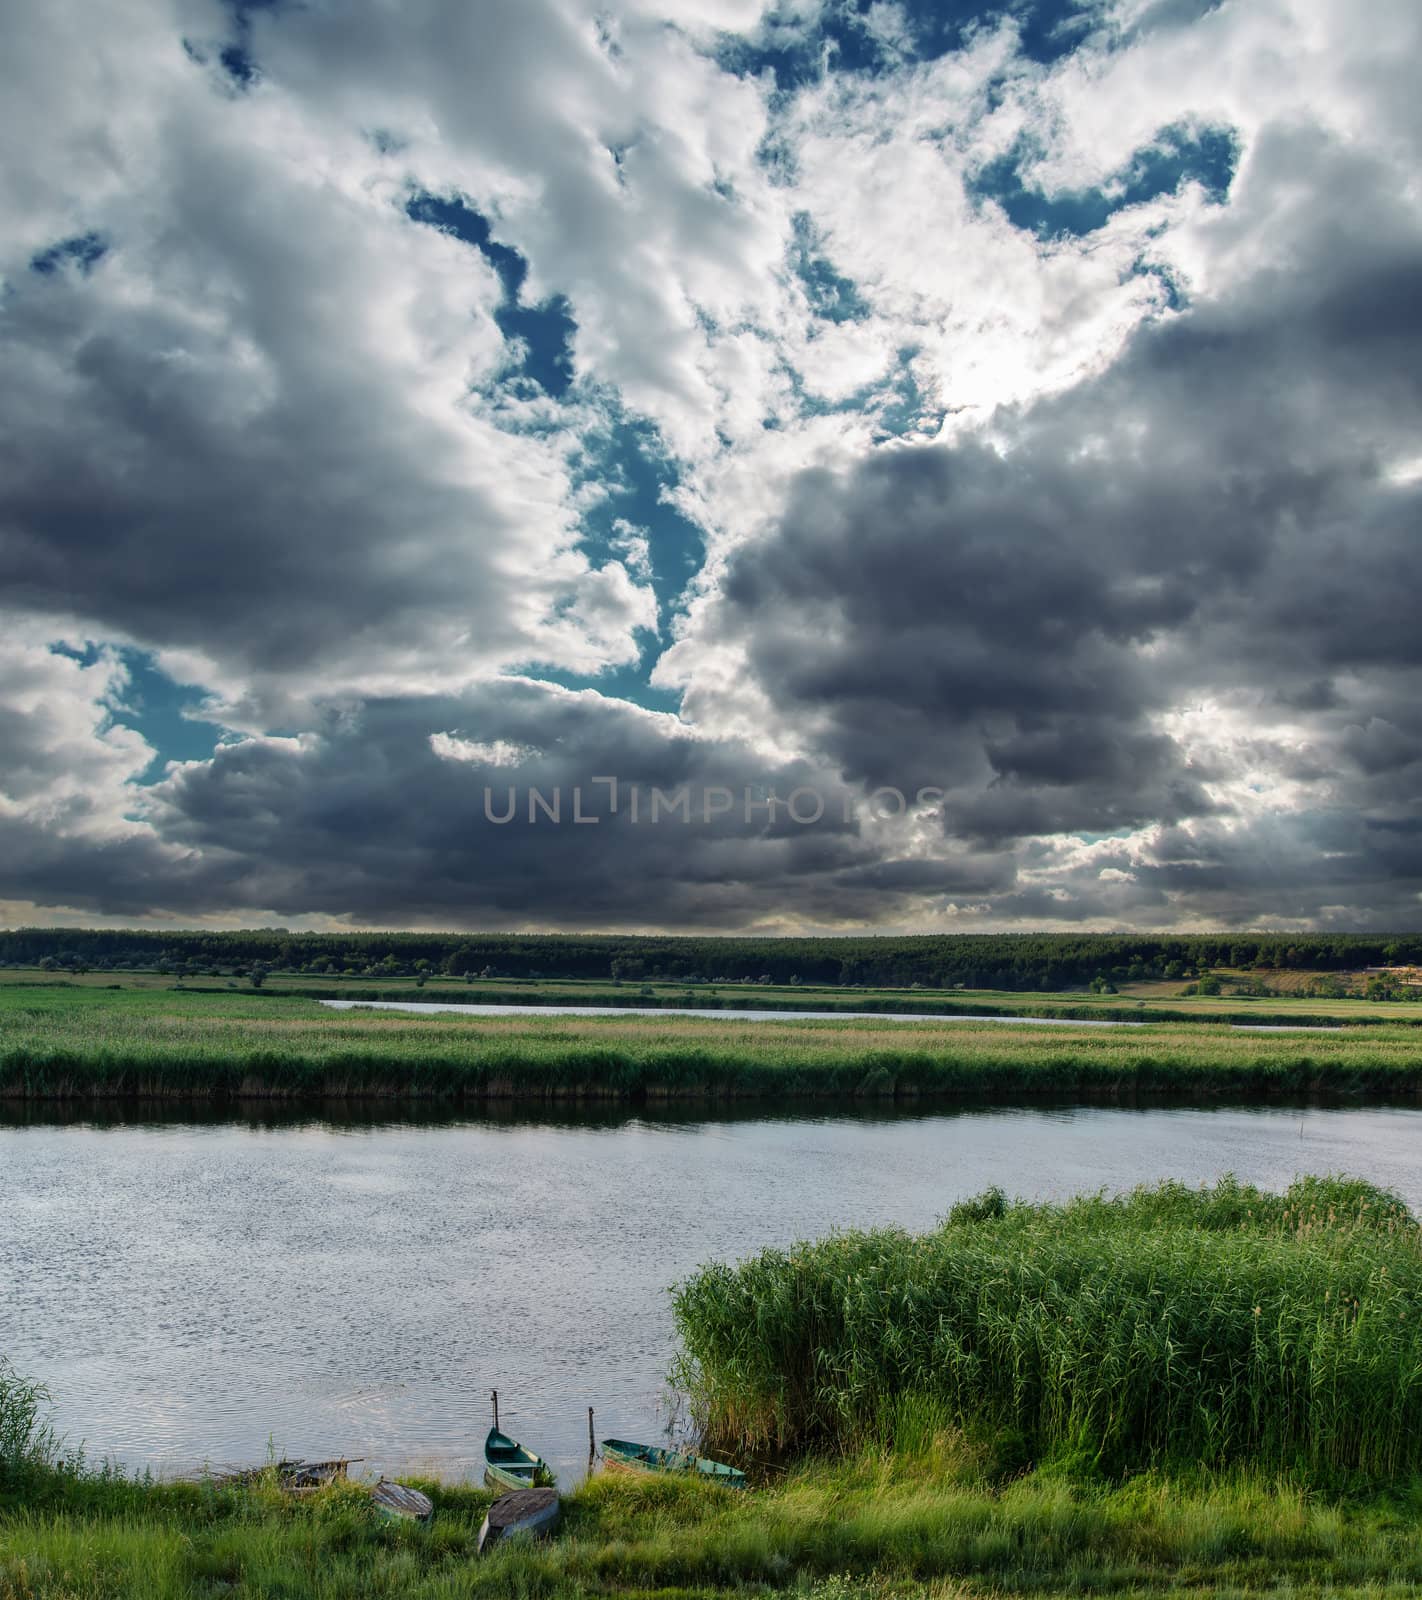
507	1465
293	1477
397	1501
621	1455
526	1513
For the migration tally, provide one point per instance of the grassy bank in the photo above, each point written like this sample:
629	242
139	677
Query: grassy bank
1227	1327
83	1043
932	1516
929	1521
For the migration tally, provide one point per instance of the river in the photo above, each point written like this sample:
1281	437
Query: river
197	1291
730	1014
726	1014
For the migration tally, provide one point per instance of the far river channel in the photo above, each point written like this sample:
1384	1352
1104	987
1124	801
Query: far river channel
197	1291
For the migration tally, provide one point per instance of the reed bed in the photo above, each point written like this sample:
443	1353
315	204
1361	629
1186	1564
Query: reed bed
1221	1326
85	1043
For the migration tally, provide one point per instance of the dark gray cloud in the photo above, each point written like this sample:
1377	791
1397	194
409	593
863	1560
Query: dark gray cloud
369	818
135	497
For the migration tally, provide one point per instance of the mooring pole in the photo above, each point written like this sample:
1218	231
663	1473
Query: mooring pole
592	1443
494	1396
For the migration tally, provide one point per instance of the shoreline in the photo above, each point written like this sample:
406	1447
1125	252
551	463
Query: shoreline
253	1092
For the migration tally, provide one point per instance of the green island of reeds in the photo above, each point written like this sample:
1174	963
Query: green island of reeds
87	1043
1170	1326
1173	1394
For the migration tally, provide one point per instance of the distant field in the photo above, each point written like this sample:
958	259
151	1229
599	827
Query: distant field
86	1041
1137	1000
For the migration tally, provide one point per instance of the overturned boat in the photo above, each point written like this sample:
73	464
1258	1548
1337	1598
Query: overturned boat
525	1513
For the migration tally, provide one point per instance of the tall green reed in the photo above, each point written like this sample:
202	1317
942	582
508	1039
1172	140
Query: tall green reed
1216	1326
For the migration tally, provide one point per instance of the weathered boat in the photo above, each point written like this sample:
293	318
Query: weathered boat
305	1477
526	1513
507	1465
294	1477
622	1455
399	1501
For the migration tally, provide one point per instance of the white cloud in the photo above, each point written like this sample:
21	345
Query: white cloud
634	545
67	765
493	753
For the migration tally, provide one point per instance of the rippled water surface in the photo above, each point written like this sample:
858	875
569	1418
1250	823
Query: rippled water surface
193	1292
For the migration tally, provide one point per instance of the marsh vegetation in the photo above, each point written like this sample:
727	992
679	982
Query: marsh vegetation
85	1043
1169	1327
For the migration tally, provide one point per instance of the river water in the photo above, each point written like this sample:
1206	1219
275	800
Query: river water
730	1014
199	1291
726	1014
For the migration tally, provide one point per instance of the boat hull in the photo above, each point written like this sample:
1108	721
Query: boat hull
501	1477
524	1514
403	1504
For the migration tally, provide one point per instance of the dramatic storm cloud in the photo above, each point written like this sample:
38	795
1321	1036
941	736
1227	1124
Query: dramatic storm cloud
911	465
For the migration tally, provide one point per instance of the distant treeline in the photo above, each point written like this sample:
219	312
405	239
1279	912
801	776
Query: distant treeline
977	961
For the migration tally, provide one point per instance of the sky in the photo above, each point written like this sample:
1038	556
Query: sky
687	465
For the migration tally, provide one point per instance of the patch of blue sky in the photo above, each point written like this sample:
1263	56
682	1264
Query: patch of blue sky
83	251
1173	289
830	294
895	404
625	458
543	333
847	36
903	406
1177	155
236	55
163	711
796	51
637	478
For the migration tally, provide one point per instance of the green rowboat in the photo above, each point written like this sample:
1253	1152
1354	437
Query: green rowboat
507	1465
624	1456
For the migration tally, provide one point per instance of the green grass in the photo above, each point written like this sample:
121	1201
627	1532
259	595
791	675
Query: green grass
1224	1326
932	1517
85	1043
